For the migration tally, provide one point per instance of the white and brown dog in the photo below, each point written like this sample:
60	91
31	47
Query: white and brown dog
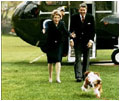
92	80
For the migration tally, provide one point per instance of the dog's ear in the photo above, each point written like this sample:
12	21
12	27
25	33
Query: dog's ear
99	82
97	73
86	74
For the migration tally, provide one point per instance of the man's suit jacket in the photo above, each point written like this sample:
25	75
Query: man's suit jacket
84	31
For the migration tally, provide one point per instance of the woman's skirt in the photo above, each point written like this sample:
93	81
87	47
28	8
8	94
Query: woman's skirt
55	55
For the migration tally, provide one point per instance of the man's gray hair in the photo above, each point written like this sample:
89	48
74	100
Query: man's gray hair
83	5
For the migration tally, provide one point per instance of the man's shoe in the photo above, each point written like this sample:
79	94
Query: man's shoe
79	79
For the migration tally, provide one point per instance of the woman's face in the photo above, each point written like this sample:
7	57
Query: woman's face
56	19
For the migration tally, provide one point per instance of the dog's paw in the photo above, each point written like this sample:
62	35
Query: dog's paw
84	89
97	96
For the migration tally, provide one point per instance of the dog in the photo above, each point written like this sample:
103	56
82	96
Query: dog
92	80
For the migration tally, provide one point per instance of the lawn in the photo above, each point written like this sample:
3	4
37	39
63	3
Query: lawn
24	81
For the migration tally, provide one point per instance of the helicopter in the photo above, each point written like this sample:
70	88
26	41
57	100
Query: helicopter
28	18
108	34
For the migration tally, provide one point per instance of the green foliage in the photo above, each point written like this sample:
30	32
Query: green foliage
7	8
24	81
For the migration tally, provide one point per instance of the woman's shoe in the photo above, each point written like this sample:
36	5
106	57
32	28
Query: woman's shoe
58	81
50	80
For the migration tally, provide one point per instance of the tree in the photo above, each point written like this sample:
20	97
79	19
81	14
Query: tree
7	10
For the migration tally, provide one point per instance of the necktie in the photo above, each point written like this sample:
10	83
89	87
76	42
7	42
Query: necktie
83	19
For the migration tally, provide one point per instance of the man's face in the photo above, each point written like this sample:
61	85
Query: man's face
56	19
82	11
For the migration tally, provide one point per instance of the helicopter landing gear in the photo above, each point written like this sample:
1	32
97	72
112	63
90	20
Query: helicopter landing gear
115	56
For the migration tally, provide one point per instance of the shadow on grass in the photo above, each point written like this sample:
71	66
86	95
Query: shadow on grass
35	64
67	64
92	63
25	63
41	63
85	96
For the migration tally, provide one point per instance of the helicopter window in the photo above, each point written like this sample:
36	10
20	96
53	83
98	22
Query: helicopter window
103	5
54	2
37	2
31	10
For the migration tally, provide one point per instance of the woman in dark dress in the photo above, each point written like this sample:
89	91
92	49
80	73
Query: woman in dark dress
57	34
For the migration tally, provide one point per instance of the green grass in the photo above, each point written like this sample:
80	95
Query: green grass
24	81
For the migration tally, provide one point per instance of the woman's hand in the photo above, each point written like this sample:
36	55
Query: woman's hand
43	30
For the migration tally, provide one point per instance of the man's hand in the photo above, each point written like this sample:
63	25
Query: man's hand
73	35
71	43
90	43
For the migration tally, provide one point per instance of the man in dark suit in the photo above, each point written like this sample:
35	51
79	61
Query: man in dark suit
82	30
